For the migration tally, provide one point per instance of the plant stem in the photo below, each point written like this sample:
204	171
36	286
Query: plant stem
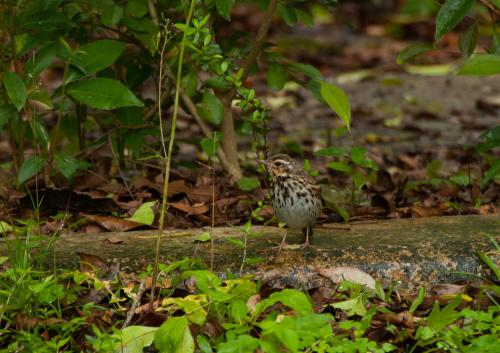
168	154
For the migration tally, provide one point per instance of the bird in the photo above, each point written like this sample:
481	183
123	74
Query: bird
295	196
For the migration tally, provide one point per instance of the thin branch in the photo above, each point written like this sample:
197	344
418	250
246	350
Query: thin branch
259	38
137	299
491	6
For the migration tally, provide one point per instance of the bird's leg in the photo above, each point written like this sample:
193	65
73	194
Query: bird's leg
308	233
283	241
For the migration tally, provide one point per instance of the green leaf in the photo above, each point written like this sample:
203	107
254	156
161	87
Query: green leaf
495	47
7	112
203	238
133	339
203	344
331	151
338	101
492	173
41	59
103	93
461	179
481	65
412	51
145	213
4	228
292	298
211	144
211	108
288	14
248	184
68	165
239	344
353	306
358	156
340	166
304	17
306	69
46	21
112	15
41	133
224	7
467	41
30	167
491	264
276	76
136	8
174	336
418	300
95	56
15	89
449	15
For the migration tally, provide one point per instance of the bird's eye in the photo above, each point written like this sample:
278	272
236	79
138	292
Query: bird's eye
278	163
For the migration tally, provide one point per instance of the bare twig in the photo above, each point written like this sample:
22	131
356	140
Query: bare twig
137	300
491	6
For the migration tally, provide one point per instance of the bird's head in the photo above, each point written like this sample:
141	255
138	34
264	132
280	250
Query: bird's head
281	165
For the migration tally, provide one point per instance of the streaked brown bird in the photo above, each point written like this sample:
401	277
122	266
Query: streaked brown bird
295	195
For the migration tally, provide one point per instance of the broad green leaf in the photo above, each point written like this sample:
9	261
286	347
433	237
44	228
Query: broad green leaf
224	7
95	56
418	300
30	167
481	65
304	17
353	306
412	51
289	337
111	15
4	228
193	306
15	89
491	264
292	298
145	213
46	21
103	93
136	8
211	108
467	41
41	59
248	184
68	165
276	76
203	238
239	309
495	47
211	144
203	344
358	156
340	166
338	101
288	14
239	344
461	179
174	336
492	173
449	15
307	70
7	112
331	151
41	133
133	339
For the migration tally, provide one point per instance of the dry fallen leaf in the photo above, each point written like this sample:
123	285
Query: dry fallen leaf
113	224
352	274
190	210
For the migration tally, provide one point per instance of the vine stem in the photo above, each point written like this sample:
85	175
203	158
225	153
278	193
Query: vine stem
168	154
